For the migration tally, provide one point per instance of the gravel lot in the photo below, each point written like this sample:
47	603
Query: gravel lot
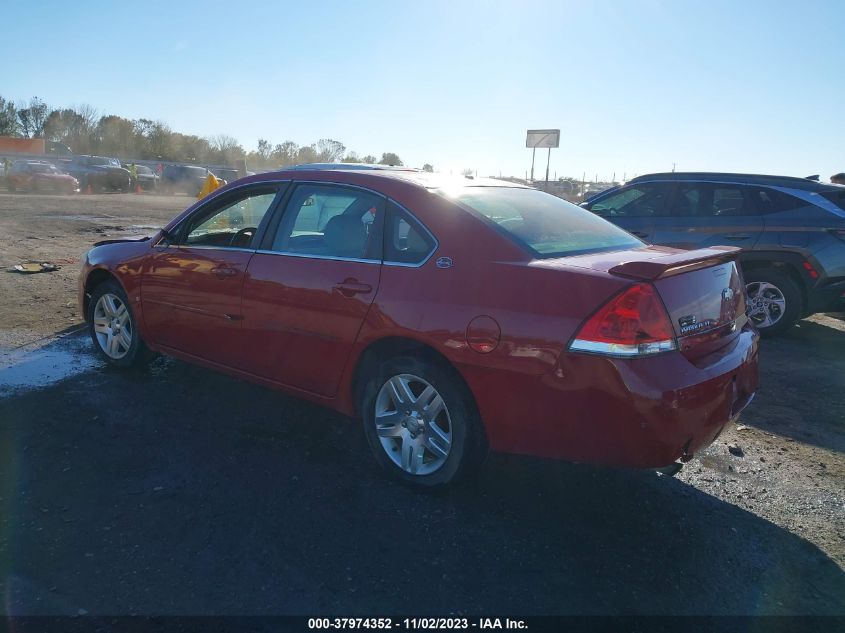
176	490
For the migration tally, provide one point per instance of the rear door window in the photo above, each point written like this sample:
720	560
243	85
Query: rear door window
330	221
704	200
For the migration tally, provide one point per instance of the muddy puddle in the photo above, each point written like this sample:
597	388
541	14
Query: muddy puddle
31	367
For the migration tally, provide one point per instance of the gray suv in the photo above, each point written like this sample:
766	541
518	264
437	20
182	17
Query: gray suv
791	230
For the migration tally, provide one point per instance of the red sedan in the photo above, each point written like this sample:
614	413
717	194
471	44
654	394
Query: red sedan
34	176
452	316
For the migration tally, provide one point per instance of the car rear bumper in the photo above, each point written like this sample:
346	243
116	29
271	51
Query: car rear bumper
641	413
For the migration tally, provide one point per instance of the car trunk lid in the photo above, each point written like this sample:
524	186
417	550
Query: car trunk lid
702	290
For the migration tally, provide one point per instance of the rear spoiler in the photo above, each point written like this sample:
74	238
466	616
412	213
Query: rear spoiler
675	263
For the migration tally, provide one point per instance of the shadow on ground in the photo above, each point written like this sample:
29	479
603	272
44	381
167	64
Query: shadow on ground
178	490
802	379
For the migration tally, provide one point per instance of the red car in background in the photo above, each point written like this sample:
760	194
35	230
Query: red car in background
451	316
36	176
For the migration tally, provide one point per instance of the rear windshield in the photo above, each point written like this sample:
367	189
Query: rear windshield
546	225
836	197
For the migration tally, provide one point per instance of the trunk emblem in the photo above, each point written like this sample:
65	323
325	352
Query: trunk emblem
445	262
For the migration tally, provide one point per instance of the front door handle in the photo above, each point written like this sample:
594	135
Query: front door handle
738	236
639	233
351	287
223	271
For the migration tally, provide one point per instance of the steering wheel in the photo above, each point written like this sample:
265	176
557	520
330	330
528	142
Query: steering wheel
247	230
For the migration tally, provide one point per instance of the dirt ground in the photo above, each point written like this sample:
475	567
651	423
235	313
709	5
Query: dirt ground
60	229
128	497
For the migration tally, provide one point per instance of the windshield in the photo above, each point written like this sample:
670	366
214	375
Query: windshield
548	226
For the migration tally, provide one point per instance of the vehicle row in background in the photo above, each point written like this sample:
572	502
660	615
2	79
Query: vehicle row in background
39	176
791	232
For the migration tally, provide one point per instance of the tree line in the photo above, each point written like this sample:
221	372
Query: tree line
85	131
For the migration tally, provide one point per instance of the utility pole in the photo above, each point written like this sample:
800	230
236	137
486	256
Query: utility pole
673	168
548	160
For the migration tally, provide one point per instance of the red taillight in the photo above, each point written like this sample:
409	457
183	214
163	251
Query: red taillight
812	272
633	323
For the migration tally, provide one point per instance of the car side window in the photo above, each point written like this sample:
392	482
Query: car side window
706	200
231	222
646	200
405	240
774	201
331	221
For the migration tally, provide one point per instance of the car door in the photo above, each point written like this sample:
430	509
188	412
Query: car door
709	214
191	287
310	286
634	207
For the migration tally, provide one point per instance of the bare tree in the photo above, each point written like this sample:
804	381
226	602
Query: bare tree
285	153
32	117
329	151
429	168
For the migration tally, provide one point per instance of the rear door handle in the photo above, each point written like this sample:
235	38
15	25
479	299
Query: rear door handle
738	236
223	271
351	287
639	233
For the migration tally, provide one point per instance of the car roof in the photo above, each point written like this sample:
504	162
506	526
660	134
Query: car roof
349	167
422	179
745	179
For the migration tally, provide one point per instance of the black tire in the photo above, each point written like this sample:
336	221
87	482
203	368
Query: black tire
468	445
137	353
784	284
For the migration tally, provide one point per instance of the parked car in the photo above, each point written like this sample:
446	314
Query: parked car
147	178
39	176
227	175
101	173
452	316
187	179
791	231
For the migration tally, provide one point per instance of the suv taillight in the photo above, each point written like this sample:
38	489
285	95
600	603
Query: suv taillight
632	323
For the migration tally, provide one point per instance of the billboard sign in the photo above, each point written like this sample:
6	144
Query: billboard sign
542	138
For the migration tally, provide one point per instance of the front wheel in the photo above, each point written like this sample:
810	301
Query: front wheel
113	327
774	300
421	422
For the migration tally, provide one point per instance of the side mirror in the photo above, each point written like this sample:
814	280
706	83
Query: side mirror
167	238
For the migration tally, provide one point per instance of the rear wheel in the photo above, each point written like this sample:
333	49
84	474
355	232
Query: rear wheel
113	327
774	300
421	422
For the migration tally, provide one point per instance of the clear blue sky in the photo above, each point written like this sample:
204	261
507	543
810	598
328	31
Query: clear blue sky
634	86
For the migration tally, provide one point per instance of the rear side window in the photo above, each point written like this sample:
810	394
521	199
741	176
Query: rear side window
774	201
637	201
544	224
836	197
405	240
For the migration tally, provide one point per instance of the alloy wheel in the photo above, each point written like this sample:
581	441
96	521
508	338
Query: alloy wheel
766	303
413	424
112	326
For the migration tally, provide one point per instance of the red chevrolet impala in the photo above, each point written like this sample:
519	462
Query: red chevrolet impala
452	316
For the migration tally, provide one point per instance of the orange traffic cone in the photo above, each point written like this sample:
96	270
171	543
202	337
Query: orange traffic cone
88	189
137	187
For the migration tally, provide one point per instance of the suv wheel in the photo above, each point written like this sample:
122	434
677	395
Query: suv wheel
774	300
421	422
